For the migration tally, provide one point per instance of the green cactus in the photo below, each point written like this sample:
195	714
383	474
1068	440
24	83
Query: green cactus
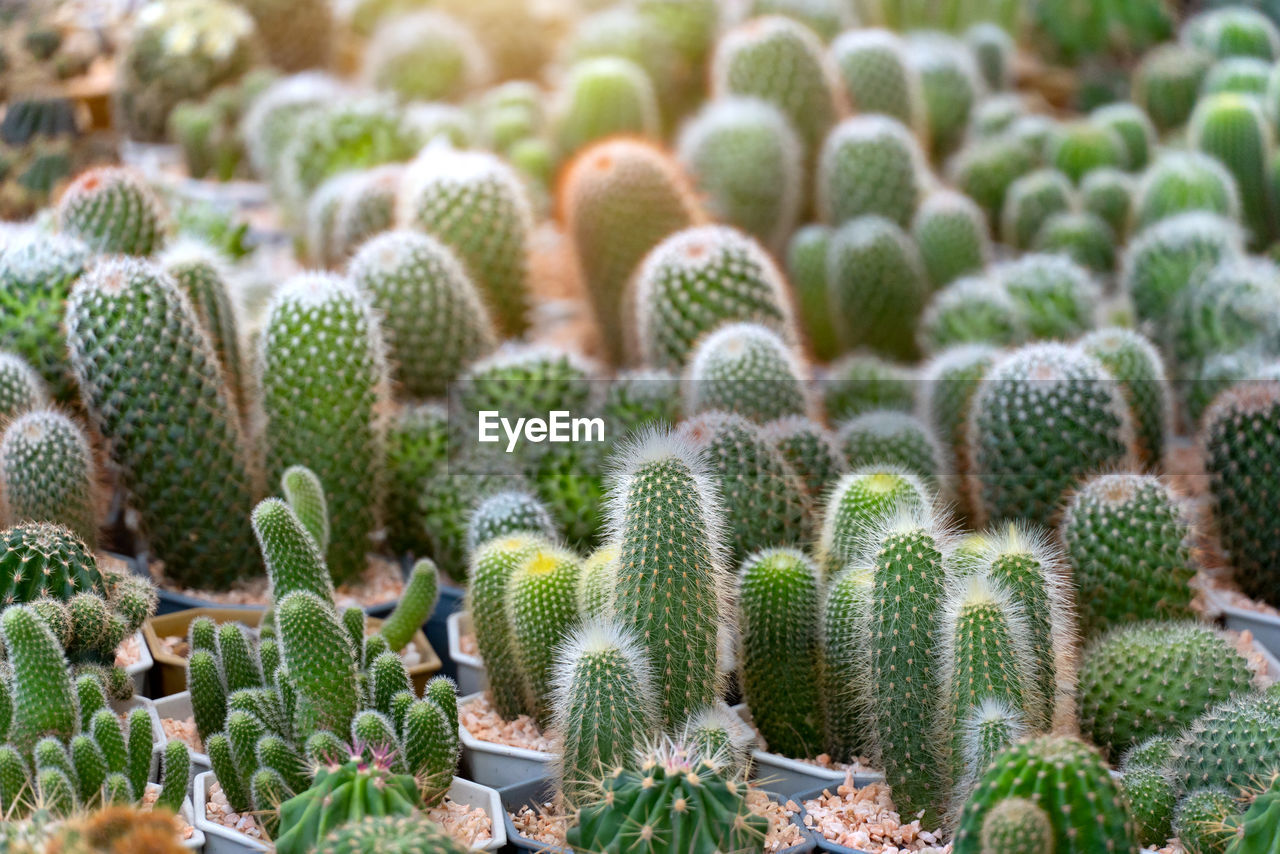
875	285
949	81
1232	128
447	327
305	496
597	583
895	439
663	502
1259	827
336	430
845	664
1065	778
639	398
877	76
416	603
44	702
1109	194
425	56
949	383
860	382
993	49
778	596
390	835
320	659
1079	147
504	514
811	451
1244	75
1167	82
986	169
1058	297
1083	237
748	369
995	114
972	310
113	210
605	703
542	609
857	505
748	163
806	264
36	276
951	233
1200	821
1233	31
618	200
343	794
601	97
198	528
1152	799
1160	262
1136	365
292	556
492	566
1029	202
1004	450
1016	826
870	165
1181	181
417	455
1236	440
48	472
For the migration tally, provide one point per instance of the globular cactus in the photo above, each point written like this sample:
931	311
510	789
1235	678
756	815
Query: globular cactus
1150	679
1077	148
390	835
875	285
894	439
21	388
475	204
858	504
1233	31
542	609
597	584
1109	194
1015	470
950	83
1058	297
1199	822
1237	439
1134	363
1152	799
1030	201
507	513
972	310
1167	82
826	18
1230	308
681	792
602	97
1083	237
780	61
364	206
1129	537
1233	129
778	602
699	279
748	369
951	234
812	452
434	319
845	644
948	384
995	114
1084	787
337	430
663	501
492	567
748	163
641	398
993	49
870	165
425	56
986	169
877	76
1244	75
861	382
1182	181
1016	826
271	121
320	217
618	200
36	276
1229	748
604	703
113	211
1162	260
48	474
343	793
763	501
199	528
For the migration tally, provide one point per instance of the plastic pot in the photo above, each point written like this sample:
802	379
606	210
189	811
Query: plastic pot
497	765
471	676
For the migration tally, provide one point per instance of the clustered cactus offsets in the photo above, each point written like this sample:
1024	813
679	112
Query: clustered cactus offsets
936	348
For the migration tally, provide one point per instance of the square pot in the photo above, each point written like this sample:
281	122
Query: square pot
474	795
178	706
471	677
497	765
219	839
788	776
139	669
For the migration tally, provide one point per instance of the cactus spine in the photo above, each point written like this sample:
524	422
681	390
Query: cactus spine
48	473
542	609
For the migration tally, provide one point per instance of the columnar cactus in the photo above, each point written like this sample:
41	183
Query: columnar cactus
993	50
1017	471
323	404
858	505
1081	236
1166	83
1230	308
434	319
199	528
1182	181
861	382
950	84
748	369
1237	439
1136	365
870	165
1109	195
601	97
949	383
619	199
542	610
877	76
778	592
1083	787
1058	297
1233	128
1162	260
48	474
811	451
985	170
1030	201
1077	148
845	638
972	310
895	439
1149	679
748	163
113	210
492	567
507	513
43	700
421	590
1134	128
663	502
597	584
604	703
951	233
321	662
476	205
425	56
875	285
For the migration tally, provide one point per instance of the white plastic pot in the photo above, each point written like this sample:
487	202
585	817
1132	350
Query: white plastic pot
474	795
219	839
139	669
497	765
1265	627
178	707
472	678
789	776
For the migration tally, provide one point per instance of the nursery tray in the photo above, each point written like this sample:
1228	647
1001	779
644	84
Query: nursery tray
787	776
471	676
170	672
1265	627
497	765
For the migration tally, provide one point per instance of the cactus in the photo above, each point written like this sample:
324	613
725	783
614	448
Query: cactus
859	382
415	606
1259	827
1229	308
1109	194
1015	471
763	501
1167	81
748	163
604	703
1136	365
1244	75
1200	821
985	170
1082	786
492	566
48	473
972	310
1152	800
390	835
507	513
995	114
1057	296
951	233
337	430
877	76
1236	439
686	796
875	285
896	439
179	50
1077	148
1128	538
641	398
1083	237
778	591
602	97
993	50
858	504
1233	128
845	649
425	56
663	501
343	794
1163	259
198	528
1030	201
950	381
619	199
43	699
112	210
272	119
1182	181
780	61
433	318
36	276
1150	679
1233	32
1016	826
597	584
950	84
291	553
542	609
748	369
305	495
321	662
811	451
870	165
417	454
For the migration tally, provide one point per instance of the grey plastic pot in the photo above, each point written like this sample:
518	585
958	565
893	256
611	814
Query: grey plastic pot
471	675
498	765
219	839
1265	627
178	707
787	776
